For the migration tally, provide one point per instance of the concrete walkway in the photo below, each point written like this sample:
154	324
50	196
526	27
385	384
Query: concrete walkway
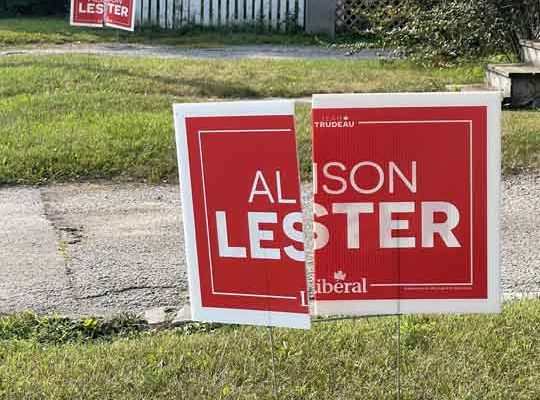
100	249
228	52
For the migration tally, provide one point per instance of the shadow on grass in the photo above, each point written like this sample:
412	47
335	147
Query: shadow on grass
201	87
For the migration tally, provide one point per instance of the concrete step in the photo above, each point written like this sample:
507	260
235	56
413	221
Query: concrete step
530	51
519	83
479	87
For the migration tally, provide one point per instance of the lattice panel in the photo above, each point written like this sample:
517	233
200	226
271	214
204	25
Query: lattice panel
352	14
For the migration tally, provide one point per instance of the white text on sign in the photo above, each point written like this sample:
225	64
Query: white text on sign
291	225
337	178
97	8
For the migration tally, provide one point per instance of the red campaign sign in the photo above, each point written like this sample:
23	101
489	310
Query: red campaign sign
406	191
120	14
242	212
87	13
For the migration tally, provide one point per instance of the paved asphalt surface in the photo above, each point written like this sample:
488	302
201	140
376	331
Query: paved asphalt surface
228	52
105	248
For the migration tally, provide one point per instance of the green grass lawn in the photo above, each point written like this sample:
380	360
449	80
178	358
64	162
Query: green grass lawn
521	140
446	357
86	117
22	31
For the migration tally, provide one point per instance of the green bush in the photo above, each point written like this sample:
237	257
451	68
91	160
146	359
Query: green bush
445	31
523	19
32	7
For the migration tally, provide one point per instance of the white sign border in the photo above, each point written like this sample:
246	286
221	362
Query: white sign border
492	101
198	311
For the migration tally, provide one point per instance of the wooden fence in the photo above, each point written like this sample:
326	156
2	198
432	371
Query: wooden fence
274	14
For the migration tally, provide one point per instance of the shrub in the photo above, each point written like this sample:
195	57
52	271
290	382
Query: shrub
445	31
32	7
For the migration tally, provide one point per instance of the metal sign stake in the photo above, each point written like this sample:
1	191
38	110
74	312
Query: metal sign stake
398	372
274	379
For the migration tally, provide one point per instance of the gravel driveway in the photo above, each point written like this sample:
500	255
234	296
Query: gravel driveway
105	248
227	52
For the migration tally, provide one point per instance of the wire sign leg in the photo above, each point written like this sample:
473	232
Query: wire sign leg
274	379
398	358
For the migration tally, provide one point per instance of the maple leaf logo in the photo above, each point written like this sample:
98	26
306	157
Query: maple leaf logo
340	276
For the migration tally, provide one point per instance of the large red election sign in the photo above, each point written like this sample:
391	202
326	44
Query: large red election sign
87	13
242	212
406	191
